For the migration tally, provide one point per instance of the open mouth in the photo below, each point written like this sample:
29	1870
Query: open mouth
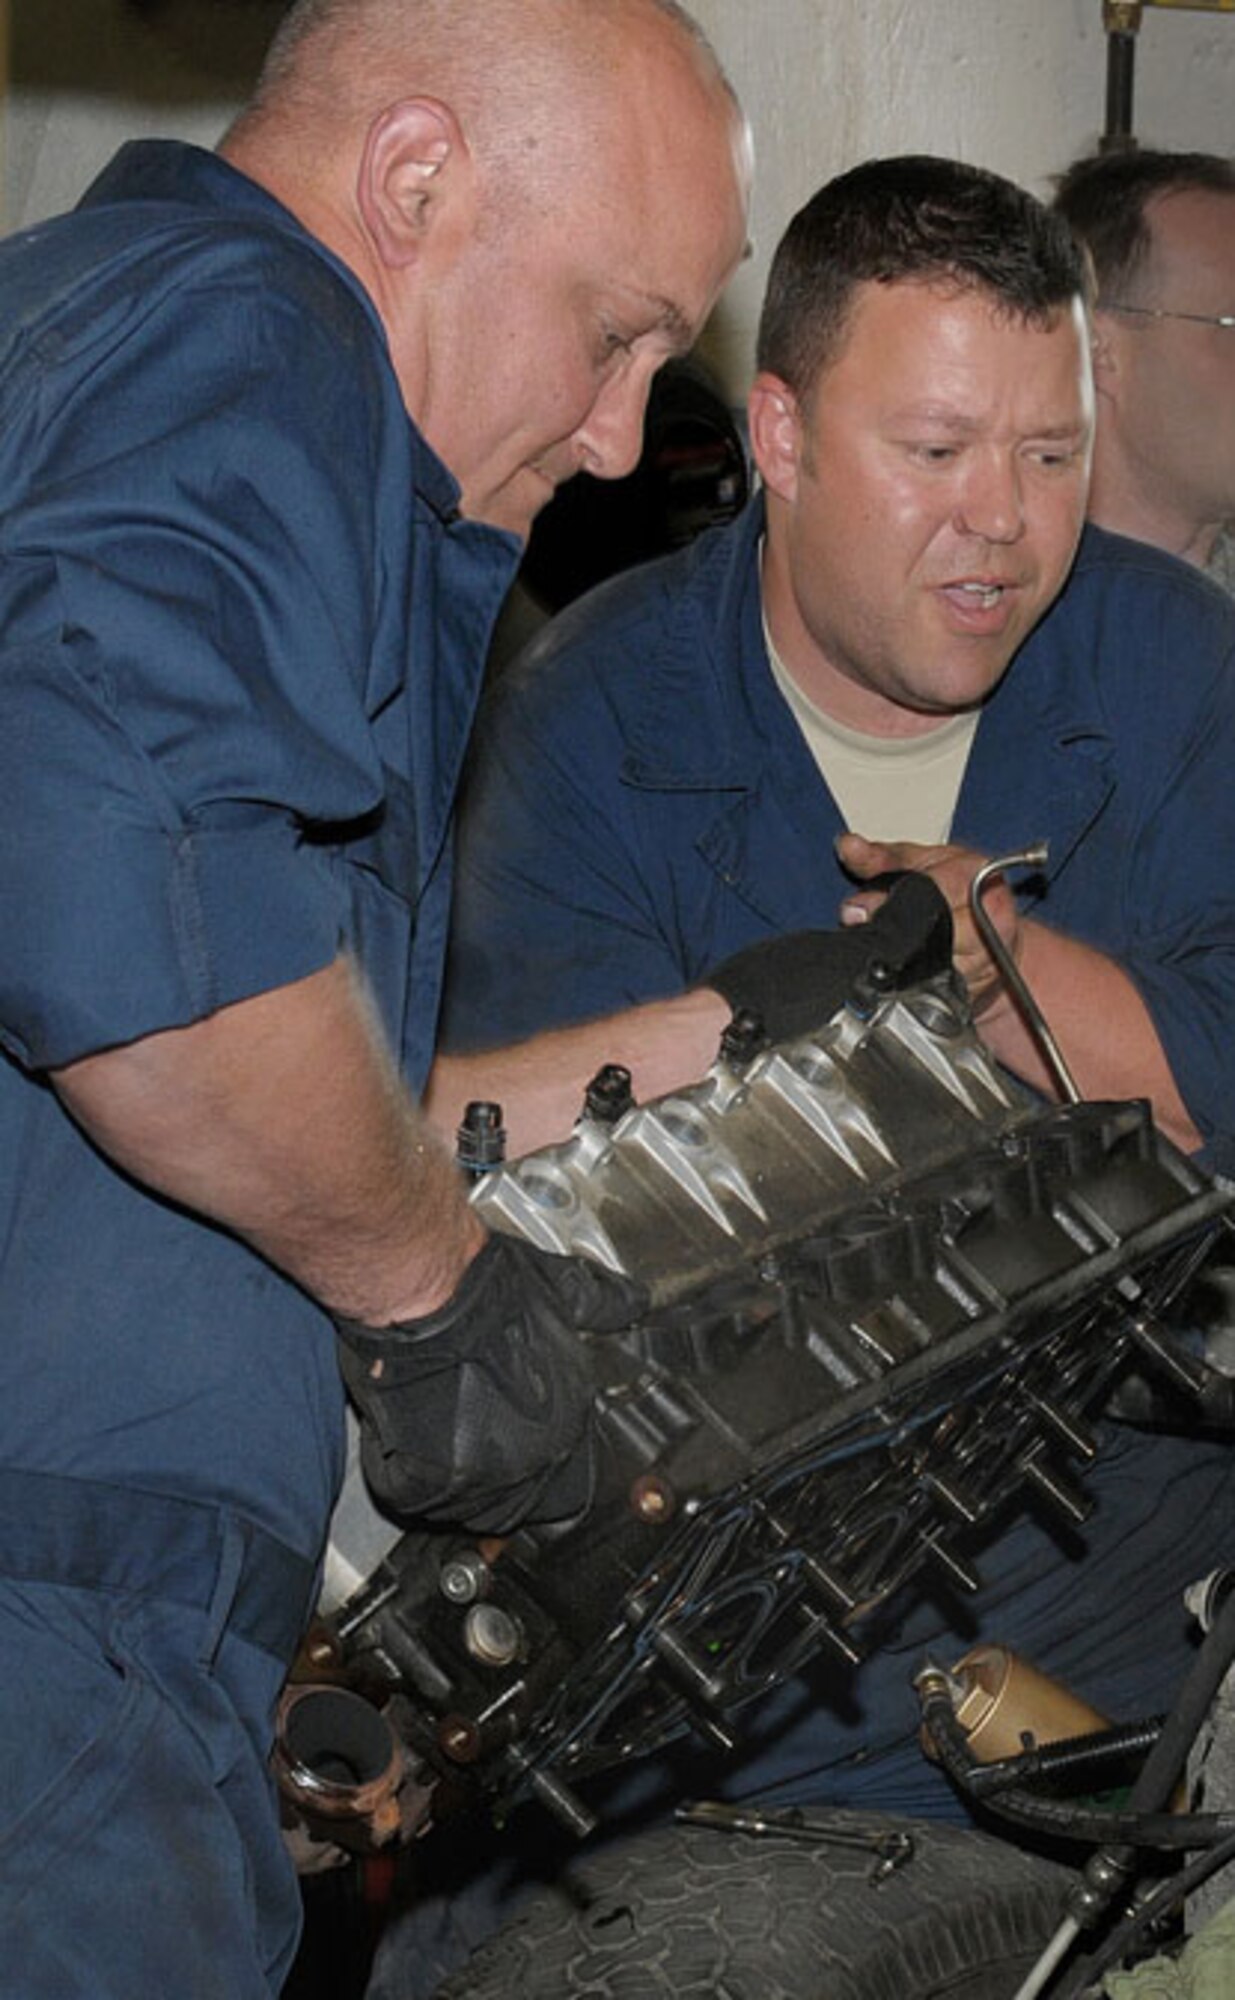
981	604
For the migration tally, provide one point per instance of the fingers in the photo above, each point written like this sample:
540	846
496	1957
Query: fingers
952	869
870	859
865	858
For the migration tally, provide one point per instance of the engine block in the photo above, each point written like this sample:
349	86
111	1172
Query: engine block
889	1291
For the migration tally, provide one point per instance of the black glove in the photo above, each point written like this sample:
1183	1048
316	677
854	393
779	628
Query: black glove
480	1413
796	982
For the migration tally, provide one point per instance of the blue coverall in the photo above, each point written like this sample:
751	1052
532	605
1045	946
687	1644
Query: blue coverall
241	631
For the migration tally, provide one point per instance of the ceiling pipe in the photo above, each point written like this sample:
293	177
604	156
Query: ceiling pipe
1122	21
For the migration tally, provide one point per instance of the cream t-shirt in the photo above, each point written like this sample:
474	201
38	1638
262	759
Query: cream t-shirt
887	787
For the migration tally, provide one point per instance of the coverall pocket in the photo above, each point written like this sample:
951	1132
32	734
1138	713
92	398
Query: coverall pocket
72	1727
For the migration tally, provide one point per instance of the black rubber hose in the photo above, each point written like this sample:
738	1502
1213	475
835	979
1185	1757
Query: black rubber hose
1160	1773
1084	1760
1160	1904
1106	1871
1131	1828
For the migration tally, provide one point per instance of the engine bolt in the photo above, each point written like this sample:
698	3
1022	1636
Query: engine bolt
464	1577
491	1635
652	1498
458	1739
321	1650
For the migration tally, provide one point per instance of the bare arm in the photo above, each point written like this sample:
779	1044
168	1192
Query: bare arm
283	1118
1101	1023
540	1083
1093	1008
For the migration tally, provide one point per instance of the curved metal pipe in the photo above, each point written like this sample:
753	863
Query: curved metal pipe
1035	1019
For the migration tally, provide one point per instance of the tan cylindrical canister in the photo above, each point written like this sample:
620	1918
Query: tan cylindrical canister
1006	1699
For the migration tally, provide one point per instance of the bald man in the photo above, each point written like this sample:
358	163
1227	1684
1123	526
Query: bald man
276	422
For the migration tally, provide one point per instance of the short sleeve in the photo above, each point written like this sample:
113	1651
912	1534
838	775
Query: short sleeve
185	682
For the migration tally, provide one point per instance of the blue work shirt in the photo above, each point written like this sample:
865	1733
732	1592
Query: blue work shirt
243	626
644	803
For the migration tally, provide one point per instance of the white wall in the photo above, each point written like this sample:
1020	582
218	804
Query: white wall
1018	85
86	74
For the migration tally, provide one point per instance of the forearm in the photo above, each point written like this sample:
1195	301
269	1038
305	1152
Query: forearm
1092	1007
283	1118
540	1083
1103	1028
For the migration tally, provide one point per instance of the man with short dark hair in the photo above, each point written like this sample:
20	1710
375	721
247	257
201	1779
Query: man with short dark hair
276	422
908	654
1160	228
880	666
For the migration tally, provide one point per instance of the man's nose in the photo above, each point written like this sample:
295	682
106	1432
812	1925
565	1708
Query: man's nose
610	438
992	502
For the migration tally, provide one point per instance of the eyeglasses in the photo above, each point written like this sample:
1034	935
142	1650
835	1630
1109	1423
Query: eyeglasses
1161	312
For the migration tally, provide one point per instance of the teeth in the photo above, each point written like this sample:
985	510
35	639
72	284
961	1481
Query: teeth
990	593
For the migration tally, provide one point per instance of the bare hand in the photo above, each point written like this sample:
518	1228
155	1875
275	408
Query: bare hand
952	869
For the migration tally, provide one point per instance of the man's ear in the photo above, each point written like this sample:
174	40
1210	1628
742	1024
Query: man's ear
775	429
1107	351
416	178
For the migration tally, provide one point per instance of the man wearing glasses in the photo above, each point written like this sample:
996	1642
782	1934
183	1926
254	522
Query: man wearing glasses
1160	228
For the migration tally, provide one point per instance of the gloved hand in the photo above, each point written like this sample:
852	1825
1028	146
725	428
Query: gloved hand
480	1413
796	982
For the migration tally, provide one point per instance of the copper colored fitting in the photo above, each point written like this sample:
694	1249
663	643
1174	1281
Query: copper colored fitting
339	1764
